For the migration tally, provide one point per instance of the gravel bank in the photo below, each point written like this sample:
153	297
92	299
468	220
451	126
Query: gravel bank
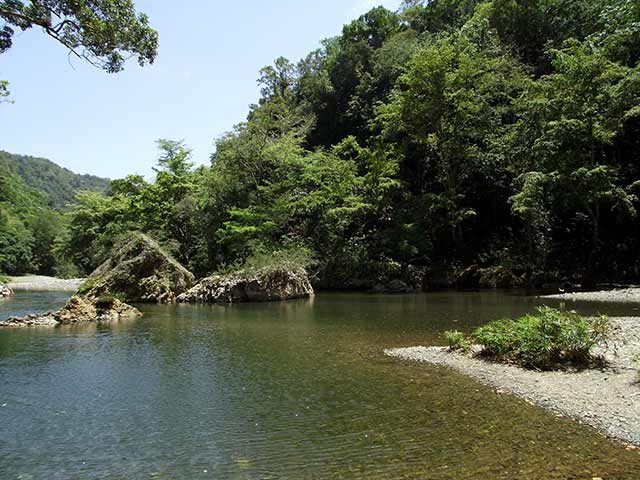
41	283
607	399
623	295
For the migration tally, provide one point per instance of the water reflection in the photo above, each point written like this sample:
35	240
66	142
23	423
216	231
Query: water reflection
283	390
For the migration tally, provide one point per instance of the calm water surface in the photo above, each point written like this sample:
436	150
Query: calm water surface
270	391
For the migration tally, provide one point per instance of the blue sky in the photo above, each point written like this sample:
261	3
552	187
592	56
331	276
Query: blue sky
200	85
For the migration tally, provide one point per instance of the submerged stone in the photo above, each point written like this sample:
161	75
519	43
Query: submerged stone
139	271
265	285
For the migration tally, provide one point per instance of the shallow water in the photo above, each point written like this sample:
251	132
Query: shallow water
285	390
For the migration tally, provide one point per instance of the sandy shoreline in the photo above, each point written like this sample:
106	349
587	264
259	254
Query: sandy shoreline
42	283
607	399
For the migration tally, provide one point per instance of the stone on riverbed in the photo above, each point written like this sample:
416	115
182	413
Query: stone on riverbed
264	285
78	309
5	291
139	271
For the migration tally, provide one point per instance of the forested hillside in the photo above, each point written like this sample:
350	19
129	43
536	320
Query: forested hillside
60	184
414	144
34	193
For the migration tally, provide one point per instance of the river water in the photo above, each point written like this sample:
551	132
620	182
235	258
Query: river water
284	390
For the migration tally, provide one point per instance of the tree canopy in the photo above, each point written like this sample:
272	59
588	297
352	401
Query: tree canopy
102	32
412	145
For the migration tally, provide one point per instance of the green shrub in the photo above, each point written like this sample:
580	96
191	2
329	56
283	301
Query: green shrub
457	340
546	339
86	286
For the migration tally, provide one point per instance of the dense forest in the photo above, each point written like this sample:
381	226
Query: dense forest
416	143
60	184
34	194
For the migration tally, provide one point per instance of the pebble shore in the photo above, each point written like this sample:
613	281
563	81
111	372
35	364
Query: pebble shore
621	295
607	399
42	283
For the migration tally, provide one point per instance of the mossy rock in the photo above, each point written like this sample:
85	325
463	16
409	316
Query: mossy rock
78	309
139	270
265	285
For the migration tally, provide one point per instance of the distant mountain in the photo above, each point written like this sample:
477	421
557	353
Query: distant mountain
59	183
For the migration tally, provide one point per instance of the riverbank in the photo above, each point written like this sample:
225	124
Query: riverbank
607	399
43	283
621	295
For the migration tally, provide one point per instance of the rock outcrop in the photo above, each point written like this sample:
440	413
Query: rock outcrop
139	271
5	291
265	285
79	309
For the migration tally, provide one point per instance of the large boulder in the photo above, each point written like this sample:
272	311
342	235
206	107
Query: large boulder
5	291
265	285
79	309
139	271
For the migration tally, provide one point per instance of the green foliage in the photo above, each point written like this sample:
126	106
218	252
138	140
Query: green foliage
28	226
289	258
165	206
457	340
60	184
547	339
102	33
449	133
4	91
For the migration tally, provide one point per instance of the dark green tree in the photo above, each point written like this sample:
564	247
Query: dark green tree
101	32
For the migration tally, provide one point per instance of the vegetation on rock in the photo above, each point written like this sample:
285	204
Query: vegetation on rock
139	270
263	278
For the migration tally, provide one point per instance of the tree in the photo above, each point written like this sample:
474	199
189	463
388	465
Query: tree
571	122
531	204
277	80
450	112
102	32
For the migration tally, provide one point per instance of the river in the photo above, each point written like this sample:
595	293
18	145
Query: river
284	390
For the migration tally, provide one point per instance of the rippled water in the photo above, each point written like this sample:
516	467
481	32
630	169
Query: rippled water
285	390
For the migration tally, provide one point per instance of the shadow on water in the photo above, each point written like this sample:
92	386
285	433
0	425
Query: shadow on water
284	390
